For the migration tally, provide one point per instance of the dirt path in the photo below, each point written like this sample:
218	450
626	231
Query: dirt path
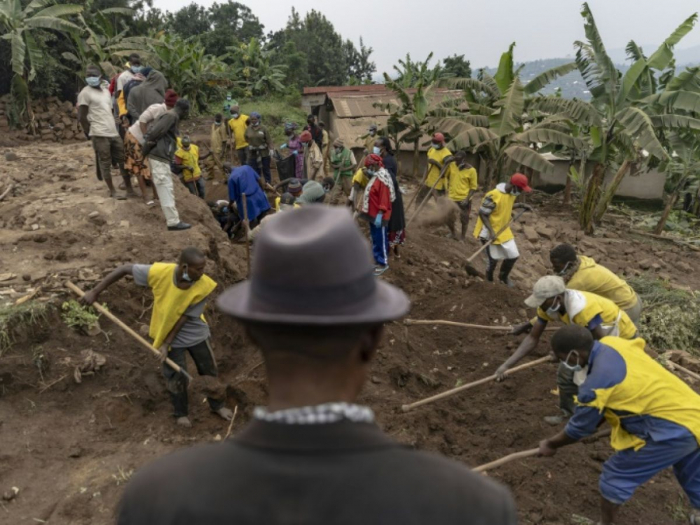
70	449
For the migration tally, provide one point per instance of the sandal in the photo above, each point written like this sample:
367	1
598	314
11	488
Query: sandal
150	204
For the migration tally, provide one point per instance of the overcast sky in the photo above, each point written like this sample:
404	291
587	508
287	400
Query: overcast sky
480	30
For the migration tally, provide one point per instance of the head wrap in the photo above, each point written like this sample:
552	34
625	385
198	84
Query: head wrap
372	160
339	142
288	126
256	115
305	136
294	186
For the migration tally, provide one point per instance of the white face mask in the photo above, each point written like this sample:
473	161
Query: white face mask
580	376
376	150
435	145
553	311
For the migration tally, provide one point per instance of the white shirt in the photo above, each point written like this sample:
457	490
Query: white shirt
100	116
123	80
150	115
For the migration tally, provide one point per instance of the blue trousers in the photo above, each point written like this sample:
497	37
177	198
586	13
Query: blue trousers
265	161
627	470
380	243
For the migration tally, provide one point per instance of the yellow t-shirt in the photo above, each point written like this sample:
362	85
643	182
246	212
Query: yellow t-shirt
461	183
437	155
190	159
360	178
586	306
591	277
238	127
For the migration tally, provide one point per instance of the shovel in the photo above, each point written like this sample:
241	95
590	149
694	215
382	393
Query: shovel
471	270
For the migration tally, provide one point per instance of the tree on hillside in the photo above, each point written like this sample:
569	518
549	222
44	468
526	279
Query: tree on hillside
457	66
189	21
360	67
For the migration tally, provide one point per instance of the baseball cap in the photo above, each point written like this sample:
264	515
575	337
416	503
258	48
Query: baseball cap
548	286
520	181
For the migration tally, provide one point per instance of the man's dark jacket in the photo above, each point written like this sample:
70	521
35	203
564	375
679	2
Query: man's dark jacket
161	138
333	474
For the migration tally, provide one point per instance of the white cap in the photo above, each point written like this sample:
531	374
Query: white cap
548	286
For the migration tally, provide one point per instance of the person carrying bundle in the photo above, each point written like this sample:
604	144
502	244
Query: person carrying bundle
655	417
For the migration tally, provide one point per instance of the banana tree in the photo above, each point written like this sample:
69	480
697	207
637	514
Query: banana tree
255	67
620	126
19	26
497	126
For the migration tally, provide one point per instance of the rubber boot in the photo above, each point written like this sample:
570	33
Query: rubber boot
506	268
491	269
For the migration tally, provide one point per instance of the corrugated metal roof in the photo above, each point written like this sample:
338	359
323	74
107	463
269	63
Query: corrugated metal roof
369	88
358	106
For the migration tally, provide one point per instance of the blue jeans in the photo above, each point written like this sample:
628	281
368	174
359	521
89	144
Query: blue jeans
627	470
196	187
380	243
265	161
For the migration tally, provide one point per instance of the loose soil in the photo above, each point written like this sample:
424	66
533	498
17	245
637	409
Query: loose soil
69	448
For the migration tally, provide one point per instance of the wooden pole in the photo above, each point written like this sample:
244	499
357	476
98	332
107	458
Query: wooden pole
462	388
411	322
532	452
246	228
427	197
148	346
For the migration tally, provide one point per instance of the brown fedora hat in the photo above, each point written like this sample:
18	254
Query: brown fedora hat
312	266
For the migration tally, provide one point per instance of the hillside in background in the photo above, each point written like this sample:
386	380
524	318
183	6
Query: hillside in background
573	86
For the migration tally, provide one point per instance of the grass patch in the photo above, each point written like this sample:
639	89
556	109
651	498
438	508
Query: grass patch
275	112
13	318
671	317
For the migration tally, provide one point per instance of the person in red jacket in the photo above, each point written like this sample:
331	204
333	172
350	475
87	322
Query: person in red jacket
376	209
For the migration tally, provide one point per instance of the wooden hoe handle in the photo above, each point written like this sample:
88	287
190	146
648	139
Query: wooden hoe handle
77	291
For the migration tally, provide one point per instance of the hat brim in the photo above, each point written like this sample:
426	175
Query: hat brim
387	304
534	301
527	189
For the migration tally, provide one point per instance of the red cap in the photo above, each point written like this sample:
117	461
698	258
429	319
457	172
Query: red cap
373	160
439	137
171	98
520	181
305	136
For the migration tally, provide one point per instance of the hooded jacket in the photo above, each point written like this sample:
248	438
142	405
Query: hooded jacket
160	140
150	91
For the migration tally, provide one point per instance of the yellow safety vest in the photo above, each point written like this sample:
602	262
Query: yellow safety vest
171	302
500	216
648	389
191	159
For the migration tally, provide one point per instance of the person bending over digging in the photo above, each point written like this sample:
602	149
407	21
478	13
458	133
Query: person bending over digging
655	417
584	274
494	215
313	455
178	326
554	302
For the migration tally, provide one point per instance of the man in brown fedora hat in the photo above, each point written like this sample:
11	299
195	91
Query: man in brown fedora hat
313	455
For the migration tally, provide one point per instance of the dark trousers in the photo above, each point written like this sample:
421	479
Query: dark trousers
196	187
203	358
109	151
265	161
242	155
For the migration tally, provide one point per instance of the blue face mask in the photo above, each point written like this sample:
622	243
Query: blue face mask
574	368
435	145
136	69
371	173
186	276
234	115
92	81
376	150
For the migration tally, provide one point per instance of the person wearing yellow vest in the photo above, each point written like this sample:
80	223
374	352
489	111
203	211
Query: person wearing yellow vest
554	302
494	215
584	274
180	292
437	157
187	165
655	417
217	141
462	183
237	127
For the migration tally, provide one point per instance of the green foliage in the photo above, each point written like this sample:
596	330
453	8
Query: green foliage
410	74
254	68
75	315
671	317
14	318
456	66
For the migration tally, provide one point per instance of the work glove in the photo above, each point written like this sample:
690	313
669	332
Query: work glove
378	220
295	152
272	152
520	329
283	146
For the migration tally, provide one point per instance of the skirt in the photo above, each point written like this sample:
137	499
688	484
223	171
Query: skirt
133	158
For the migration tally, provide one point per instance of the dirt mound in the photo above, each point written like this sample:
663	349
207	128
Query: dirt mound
69	448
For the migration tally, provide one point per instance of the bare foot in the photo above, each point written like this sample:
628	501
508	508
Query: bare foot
224	413
184	421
